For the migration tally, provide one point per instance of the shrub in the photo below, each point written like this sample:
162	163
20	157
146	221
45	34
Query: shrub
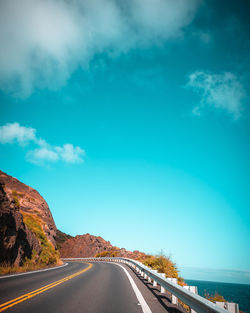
215	297
162	264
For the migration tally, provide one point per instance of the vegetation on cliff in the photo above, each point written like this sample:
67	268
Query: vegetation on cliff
48	254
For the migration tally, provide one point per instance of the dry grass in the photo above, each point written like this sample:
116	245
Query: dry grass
7	268
162	264
215	297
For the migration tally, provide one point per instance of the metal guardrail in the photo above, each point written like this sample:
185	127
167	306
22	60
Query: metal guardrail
194	301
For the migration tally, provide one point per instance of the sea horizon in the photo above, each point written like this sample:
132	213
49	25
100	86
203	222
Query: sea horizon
232	292
216	281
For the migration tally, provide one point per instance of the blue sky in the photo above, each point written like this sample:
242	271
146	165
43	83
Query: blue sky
132	121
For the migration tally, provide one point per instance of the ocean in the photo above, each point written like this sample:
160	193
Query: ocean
238	293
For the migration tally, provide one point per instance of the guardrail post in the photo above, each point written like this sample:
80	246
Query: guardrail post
194	290
174	299
154	282
163	290
230	306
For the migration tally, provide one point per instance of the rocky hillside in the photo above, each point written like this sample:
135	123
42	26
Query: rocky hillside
27	228
90	246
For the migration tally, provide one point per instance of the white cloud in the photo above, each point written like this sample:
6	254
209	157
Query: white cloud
162	18
219	91
70	154
44	41
42	154
11	133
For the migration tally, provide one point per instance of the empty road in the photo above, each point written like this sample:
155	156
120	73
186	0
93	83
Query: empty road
78	288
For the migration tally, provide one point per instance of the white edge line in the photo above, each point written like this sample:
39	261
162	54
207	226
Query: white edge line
38	271
143	303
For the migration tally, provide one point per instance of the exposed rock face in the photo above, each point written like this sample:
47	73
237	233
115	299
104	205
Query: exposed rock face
90	246
84	246
16	240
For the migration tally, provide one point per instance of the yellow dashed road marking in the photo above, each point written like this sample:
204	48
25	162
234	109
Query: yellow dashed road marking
31	294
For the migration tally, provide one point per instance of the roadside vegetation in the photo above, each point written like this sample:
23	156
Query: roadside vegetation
48	255
163	264
7	268
215	297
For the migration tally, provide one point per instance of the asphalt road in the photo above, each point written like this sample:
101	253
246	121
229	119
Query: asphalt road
75	288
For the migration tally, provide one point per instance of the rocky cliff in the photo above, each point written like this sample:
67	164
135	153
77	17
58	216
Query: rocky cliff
27	228
90	246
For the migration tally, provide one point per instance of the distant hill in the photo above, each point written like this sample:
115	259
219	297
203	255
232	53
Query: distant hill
90	246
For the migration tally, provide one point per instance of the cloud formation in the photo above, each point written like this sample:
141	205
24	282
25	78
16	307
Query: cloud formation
219	91
44	41
10	133
43	152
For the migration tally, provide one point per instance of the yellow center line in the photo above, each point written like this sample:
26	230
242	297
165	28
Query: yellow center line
33	293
